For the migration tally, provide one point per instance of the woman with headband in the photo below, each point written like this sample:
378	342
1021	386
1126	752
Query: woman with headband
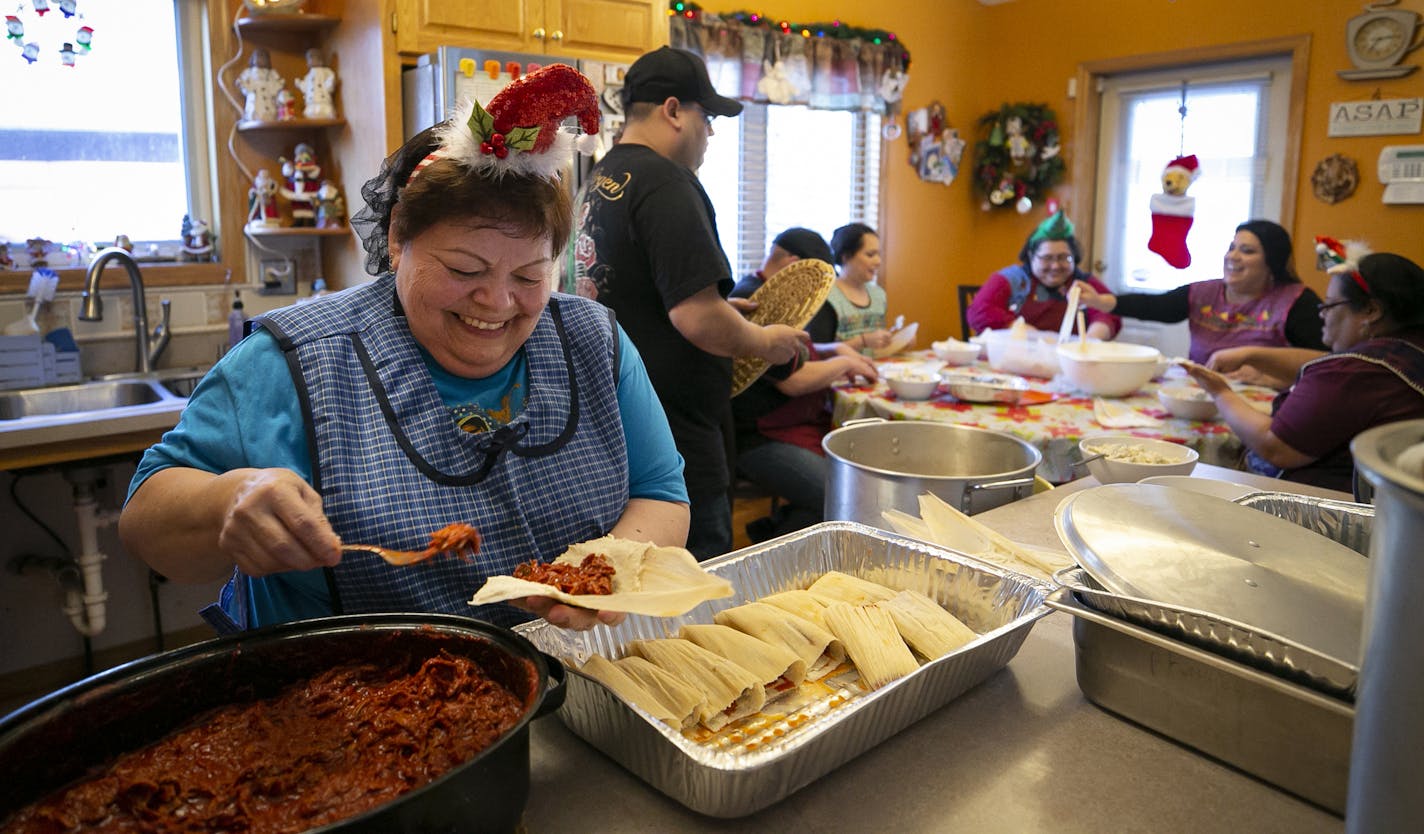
455	387
1373	318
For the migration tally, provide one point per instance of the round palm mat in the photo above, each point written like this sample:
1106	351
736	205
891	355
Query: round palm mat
790	297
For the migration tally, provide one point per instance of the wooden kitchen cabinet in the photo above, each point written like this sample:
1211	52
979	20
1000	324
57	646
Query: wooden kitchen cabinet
613	30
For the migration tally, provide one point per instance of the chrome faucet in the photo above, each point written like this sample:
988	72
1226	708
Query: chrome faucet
148	347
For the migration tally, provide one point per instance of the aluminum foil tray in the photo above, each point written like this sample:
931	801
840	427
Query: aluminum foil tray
1238	641
733	781
1289	735
1341	521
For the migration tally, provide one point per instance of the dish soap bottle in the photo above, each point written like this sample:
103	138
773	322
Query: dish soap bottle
235	320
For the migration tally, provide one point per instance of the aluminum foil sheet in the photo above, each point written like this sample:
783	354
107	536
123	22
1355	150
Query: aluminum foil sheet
1341	521
733	780
1237	641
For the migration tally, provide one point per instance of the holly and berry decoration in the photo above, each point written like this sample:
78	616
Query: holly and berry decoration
1019	157
498	138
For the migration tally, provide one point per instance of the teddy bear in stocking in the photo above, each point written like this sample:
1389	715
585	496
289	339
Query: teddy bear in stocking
1172	212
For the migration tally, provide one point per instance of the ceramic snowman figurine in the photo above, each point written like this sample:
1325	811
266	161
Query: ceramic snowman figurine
260	84
318	86
262	202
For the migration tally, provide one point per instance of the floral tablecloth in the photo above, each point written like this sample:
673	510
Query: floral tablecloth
1054	427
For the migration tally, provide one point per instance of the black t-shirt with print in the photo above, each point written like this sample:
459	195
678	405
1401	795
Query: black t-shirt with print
647	242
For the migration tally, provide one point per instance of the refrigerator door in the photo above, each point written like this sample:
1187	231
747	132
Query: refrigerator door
438	80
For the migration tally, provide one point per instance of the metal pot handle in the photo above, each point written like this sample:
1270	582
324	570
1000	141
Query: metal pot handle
967	498
863	421
554	694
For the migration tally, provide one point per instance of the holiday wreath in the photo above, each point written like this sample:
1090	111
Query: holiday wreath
1018	158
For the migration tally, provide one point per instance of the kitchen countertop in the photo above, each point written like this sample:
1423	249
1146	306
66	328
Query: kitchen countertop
1024	751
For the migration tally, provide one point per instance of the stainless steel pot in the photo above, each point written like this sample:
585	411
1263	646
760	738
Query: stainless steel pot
1389	726
56	739
878	465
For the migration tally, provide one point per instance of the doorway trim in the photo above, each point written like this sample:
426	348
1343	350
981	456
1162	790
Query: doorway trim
1088	112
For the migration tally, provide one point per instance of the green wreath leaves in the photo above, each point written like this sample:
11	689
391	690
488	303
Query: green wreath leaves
1019	155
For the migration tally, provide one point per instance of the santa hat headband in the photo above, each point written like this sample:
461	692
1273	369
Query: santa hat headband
1344	258
1186	164
519	133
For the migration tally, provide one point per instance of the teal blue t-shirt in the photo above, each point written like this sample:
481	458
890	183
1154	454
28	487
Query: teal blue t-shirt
245	413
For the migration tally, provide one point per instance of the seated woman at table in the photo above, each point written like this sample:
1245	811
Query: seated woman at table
1259	300
782	416
1373	317
1036	288
856	306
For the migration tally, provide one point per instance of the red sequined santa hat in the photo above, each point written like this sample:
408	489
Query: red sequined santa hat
519	132
1186	164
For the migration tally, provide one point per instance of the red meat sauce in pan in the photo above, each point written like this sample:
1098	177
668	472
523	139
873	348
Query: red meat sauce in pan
351	738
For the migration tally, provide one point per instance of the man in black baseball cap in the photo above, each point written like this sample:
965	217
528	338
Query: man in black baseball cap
675	73
794	244
647	247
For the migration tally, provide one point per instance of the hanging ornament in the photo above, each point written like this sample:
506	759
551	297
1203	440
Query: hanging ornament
84	37
30	52
68	7
1023	205
41	6
14	28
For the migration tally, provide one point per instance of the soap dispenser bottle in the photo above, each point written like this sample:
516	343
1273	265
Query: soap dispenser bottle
236	320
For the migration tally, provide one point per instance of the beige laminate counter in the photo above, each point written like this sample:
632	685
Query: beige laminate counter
1022	752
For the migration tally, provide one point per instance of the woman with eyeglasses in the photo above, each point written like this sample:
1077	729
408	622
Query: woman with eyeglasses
1373	321
1259	300
1036	288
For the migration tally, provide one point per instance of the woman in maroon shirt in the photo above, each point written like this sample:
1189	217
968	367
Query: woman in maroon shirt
1373	316
1036	288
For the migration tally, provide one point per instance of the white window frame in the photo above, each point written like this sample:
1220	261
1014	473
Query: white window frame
749	217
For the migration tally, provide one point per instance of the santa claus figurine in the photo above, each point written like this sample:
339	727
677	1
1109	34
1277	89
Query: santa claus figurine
303	181
1172	212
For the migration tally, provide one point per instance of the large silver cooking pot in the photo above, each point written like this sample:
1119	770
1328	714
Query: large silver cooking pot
1389	726
878	465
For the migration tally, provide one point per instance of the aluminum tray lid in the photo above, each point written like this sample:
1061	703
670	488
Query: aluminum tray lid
1205	553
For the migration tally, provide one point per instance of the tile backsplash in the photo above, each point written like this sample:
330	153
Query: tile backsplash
198	321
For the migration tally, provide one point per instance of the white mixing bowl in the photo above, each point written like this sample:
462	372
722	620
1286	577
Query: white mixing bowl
1129	459
1108	369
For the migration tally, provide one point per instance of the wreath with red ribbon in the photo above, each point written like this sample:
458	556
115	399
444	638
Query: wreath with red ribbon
1019	157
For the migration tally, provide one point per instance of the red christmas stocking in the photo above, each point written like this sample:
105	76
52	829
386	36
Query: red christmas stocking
1171	220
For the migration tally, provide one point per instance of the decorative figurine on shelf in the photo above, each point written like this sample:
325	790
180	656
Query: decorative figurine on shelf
67	54
41	6
318	87
37	250
262	202
69	7
260	84
197	242
14	29
31	52
6	262
1172	212
85	38
123	242
303	179
286	105
330	206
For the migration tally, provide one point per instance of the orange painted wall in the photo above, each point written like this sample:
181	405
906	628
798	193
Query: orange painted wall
973	57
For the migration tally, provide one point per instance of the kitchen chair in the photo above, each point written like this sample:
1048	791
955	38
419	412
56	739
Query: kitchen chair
966	297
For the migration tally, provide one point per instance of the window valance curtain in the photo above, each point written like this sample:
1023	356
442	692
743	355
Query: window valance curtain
760	65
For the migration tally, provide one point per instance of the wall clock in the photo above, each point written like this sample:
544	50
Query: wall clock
1378	40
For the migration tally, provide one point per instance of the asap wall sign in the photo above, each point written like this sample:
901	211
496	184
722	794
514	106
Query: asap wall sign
1383	117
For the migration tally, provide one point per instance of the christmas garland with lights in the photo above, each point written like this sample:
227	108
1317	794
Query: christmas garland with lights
756	20
1019	157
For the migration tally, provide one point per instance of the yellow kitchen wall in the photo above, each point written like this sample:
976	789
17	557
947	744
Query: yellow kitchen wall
972	57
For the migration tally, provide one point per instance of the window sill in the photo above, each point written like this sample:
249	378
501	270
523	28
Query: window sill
17	281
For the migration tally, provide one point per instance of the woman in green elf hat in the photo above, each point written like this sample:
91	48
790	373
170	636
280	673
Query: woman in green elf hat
1036	288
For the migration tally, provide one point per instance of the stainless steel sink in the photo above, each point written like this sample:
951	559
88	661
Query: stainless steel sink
68	399
120	391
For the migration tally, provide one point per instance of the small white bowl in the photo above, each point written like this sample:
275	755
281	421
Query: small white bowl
1117	467
913	386
956	352
1187	402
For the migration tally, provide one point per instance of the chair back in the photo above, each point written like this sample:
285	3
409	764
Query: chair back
966	297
